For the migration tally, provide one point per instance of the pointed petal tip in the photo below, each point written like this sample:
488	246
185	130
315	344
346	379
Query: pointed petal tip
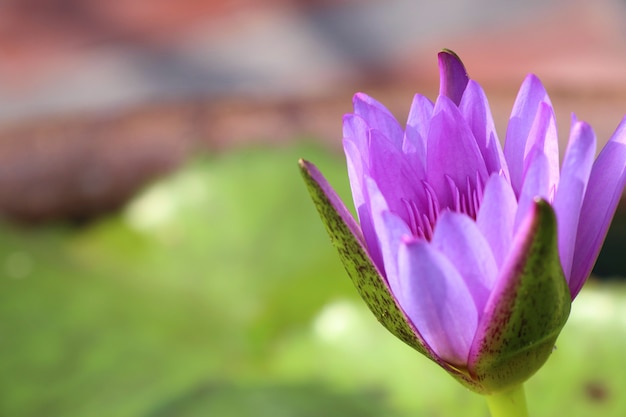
580	124
448	53
537	215
620	132
306	165
532	79
537	88
326	199
361	97
541	207
533	90
453	77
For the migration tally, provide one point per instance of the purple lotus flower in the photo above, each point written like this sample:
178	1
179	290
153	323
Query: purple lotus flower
468	252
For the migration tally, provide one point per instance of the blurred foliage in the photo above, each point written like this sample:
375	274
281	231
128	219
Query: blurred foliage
217	292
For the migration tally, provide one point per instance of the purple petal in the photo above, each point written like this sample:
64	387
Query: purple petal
543	139
451	152
370	238
378	117
535	186
390	230
436	299
452	76
395	176
355	128
419	115
459	239
356	173
605	187
356	148
526	106
497	215
417	125
569	196
475	109
356	170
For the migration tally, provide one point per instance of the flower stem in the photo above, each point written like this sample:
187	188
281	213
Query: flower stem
510	403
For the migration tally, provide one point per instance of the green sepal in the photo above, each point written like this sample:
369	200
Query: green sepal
526	311
346	237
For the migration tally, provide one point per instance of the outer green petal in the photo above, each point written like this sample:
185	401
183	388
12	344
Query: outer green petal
346	238
527	309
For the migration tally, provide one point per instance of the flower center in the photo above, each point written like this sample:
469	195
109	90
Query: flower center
422	218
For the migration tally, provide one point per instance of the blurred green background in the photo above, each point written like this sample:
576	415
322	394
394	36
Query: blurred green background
216	292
